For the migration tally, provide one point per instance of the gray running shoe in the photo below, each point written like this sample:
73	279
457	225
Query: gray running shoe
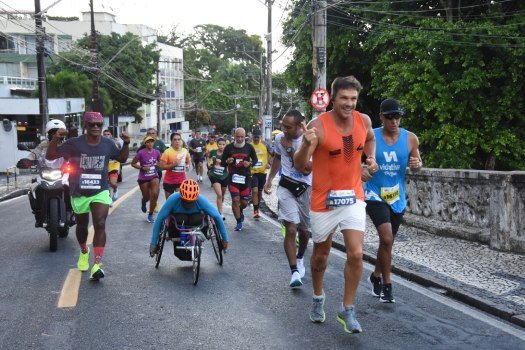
348	320
317	314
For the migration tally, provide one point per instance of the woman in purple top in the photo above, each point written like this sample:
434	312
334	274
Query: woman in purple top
145	160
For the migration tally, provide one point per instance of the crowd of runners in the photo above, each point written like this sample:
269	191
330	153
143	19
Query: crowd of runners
332	172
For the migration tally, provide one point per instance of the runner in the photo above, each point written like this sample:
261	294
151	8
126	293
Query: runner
176	161
293	194
385	190
218	174
211	145
89	154
239	156
197	146
259	171
113	170
336	140
146	161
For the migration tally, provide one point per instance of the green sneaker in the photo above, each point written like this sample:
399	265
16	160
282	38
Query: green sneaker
83	261
96	272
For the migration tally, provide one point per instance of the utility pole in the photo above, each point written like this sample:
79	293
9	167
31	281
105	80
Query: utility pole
269	103
158	99
235	107
96	107
41	67
319	47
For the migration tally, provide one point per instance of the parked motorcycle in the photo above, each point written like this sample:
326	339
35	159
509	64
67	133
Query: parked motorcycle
48	195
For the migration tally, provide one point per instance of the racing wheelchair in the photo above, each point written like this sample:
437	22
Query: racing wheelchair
187	232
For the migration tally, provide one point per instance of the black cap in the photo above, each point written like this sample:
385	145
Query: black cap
390	106
257	132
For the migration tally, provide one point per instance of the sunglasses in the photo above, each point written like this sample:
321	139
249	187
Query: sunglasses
92	125
391	116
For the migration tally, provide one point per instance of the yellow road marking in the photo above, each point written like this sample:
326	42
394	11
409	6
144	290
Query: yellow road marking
69	294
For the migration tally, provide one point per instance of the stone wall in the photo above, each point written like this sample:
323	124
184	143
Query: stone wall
482	206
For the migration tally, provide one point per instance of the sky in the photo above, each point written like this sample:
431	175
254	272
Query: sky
250	15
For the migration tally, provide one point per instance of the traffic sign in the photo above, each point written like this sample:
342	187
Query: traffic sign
320	99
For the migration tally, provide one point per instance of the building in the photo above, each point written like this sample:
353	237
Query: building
18	61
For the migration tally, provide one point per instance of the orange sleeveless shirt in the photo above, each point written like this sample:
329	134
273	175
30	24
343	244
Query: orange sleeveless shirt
337	161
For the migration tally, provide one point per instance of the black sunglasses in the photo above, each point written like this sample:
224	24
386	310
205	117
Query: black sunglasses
391	116
97	124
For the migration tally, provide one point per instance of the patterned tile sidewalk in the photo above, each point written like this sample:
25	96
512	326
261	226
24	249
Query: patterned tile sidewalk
490	280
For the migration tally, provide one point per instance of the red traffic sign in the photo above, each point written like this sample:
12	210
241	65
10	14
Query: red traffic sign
320	99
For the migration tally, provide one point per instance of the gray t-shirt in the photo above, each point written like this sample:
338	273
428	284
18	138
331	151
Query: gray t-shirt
89	163
287	168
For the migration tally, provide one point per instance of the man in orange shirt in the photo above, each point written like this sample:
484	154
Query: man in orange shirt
336	141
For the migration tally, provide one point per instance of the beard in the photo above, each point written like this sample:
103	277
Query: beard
239	145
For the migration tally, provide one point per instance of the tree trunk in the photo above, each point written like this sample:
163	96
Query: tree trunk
490	163
447	5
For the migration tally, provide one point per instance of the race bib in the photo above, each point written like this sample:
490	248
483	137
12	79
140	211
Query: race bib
340	198
258	164
151	172
178	169
218	170
238	179
198	149
390	194
90	181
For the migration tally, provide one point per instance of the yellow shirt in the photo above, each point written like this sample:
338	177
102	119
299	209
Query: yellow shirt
262	158
210	147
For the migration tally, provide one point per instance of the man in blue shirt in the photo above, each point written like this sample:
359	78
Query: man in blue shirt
396	148
188	201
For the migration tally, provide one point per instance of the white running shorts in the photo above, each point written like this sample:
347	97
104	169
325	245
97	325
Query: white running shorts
350	217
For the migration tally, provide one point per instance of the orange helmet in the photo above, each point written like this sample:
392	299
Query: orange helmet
189	190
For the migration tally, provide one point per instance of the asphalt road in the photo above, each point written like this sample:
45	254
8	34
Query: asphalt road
245	304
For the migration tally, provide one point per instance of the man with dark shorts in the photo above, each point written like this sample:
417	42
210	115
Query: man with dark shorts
89	156
239	156
259	171
385	190
197	146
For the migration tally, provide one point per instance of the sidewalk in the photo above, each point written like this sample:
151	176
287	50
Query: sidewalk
490	280
11	188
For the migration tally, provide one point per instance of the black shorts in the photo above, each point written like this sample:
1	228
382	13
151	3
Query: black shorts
170	188
258	180
381	213
223	182
146	181
198	159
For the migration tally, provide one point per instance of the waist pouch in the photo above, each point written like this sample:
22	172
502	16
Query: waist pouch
296	187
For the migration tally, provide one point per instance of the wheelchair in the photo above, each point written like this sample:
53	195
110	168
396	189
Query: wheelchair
187	232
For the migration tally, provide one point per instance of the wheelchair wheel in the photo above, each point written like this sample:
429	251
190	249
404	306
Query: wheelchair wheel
197	250
216	240
160	244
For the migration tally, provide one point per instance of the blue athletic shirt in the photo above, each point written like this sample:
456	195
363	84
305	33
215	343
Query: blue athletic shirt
90	164
173	205
388	183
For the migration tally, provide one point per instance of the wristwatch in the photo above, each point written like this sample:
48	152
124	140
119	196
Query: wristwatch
289	149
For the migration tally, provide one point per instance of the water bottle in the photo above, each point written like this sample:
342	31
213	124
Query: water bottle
183	236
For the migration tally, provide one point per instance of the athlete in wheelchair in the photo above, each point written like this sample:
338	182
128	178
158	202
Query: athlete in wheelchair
187	208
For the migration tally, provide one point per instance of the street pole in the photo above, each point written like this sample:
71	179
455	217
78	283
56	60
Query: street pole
158	100
269	104
41	68
319	48
235	107
94	62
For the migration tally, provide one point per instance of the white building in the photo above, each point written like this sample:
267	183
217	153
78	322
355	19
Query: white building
18	60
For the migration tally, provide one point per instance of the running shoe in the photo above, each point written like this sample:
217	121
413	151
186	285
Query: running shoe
83	261
96	272
348	320
295	281
375	285
115	195
238	227
387	296
256	215
150	218
143	207
300	267
317	314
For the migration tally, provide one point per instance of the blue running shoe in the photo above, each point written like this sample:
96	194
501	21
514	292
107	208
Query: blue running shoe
238	227
348	320
150	218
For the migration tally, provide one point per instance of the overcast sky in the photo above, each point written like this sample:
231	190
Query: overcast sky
250	15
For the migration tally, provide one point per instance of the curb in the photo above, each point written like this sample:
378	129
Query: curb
14	194
427	281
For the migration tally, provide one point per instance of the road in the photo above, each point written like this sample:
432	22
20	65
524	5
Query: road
245	304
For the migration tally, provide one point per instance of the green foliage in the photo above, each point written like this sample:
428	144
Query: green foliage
457	71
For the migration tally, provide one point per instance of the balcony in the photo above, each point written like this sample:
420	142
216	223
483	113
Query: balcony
18	83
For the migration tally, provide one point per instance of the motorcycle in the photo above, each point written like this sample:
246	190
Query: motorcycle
48	195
